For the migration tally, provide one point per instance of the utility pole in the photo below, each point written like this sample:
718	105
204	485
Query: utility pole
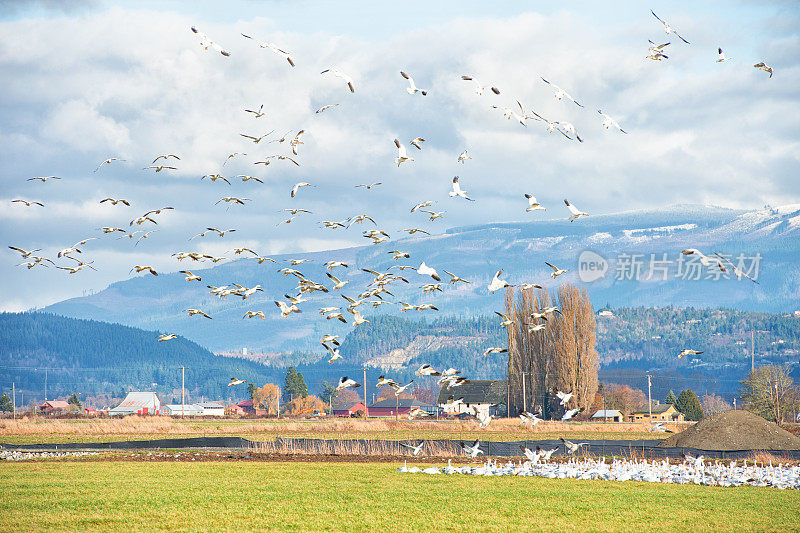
397	407
14	399
752	351
183	389
649	402
605	413
366	408
45	384
524	402
777	405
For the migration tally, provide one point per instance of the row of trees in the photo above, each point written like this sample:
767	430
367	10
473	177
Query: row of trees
562	356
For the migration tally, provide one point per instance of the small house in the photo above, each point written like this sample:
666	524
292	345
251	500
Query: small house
662	412
190	409
247	406
348	409
607	415
54	407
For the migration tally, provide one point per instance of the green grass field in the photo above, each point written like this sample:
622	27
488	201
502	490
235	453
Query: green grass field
130	496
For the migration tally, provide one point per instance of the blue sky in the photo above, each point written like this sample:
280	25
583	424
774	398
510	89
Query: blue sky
129	80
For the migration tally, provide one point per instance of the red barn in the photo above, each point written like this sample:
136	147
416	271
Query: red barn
348	409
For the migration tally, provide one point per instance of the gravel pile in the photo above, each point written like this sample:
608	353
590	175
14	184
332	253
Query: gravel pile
734	430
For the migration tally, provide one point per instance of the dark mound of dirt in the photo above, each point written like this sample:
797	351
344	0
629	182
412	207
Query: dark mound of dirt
734	430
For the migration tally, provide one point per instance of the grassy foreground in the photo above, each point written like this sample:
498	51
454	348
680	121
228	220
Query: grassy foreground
113	496
36	430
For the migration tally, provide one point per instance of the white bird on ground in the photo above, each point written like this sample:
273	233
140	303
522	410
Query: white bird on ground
480	89
473	450
297	188
576	214
572	447
560	93
533	204
608	122
721	56
415	450
402	154
205	42
235	381
412	89
497	283
339	74
688	351
668	29
347	382
463	156
457	191
761	66
274	48
563	396
425	270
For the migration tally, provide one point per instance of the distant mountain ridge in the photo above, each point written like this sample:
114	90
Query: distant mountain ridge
767	238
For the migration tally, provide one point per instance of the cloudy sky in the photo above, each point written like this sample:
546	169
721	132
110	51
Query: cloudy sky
130	80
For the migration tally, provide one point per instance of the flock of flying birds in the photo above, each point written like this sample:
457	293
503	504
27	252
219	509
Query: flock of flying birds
372	295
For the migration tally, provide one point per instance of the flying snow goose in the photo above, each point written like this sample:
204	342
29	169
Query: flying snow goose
232	199
434	214
402	154
708	262
417	143
572	412
193	312
412	89
215	177
115	201
490	351
463	156
763	66
339	74
108	162
421	205
425	270
608	122
159	168
533	204
273	47
368	186
253	314
560	93
28	203
721	56
572	447
563	396
383	381
205	42
457	192
24	253
576	214
568	128
43	179
256	140
473	450
109	229
526	416
324	108
455	279
286	309
536	327
529	286
297	186
140	268
412	231
333	264
668	29
688	351
338	284
479	89
415	450
190	276
345	382
357	318
497	283
736	270
506	321
167	337
235	381
144	236
399	389
397	254
257	113
426	370
294	143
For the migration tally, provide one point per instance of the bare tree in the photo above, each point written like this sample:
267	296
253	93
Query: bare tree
768	387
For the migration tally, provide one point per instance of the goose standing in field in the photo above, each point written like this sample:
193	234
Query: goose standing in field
668	29
235	381
167	337
457	192
425	270
463	156
688	351
193	312
339	74
560	93
324	108
473	450
721	56
608	122
572	447
205	42
415	450
497	283
533	204
575	213
763	66
480	89
108	162
273	47
347	382
190	276
402	154
412	89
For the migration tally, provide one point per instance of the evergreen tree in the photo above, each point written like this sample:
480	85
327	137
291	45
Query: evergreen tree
5	403
670	400
294	386
689	404
326	392
74	401
251	390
